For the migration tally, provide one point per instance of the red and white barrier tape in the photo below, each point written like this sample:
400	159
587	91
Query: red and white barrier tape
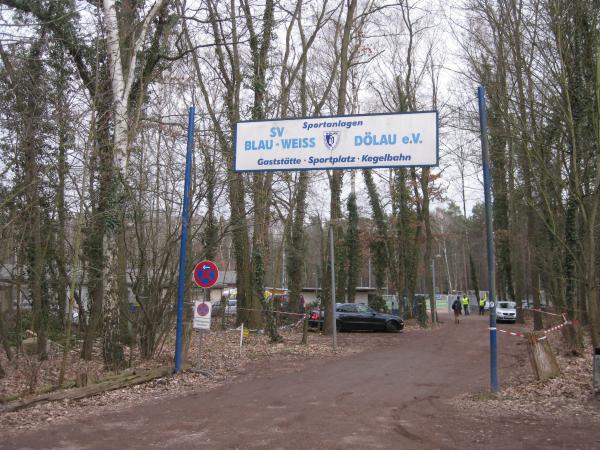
512	333
543	312
557	327
545	332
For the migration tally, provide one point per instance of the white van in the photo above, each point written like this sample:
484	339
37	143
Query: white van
506	311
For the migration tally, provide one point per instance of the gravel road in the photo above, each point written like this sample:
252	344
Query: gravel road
395	397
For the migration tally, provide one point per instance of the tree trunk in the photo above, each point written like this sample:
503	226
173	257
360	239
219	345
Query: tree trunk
401	211
336	176
380	245
4	338
428	242
93	246
261	183
296	243
352	248
574	339
32	116
63	169
542	359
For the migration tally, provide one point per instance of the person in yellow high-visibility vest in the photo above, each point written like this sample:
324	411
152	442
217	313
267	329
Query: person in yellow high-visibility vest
482	301
465	303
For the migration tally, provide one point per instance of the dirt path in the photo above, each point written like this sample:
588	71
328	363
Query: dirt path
394	397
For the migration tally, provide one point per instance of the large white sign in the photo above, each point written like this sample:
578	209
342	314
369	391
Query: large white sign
202	314
339	142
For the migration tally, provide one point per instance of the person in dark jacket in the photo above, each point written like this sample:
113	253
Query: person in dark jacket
456	307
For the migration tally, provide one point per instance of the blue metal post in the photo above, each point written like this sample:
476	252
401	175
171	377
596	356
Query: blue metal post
184	235
491	260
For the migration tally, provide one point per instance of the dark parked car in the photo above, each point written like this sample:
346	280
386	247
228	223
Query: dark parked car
356	316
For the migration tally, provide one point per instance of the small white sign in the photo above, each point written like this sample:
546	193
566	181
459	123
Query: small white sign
202	314
338	142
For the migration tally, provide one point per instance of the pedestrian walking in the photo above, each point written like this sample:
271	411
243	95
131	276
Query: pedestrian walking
456	308
465	303
482	301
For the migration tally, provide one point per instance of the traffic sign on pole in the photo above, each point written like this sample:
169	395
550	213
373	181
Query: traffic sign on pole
206	274
202	315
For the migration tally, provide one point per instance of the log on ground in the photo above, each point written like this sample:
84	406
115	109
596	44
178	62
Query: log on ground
109	384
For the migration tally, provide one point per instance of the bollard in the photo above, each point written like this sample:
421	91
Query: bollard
596	372
305	331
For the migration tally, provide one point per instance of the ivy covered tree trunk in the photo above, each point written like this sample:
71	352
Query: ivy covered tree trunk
262	193
336	176
496	85
101	170
403	216
65	143
271	322
575	31
122	72
30	105
335	184
414	256
296	243
260	44
380	246
114	358
352	248
428	242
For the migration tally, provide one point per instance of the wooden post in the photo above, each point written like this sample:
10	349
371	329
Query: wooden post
596	372
542	359
305	331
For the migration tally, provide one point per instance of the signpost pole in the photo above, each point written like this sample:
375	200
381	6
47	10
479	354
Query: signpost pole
184	235
490	238
434	311
332	257
201	334
200	339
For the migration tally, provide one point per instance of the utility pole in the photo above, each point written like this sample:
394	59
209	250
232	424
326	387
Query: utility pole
184	236
490	238
332	256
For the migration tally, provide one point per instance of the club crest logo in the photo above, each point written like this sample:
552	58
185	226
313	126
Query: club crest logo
331	139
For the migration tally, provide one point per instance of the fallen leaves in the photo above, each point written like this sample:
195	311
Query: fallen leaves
567	396
220	357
